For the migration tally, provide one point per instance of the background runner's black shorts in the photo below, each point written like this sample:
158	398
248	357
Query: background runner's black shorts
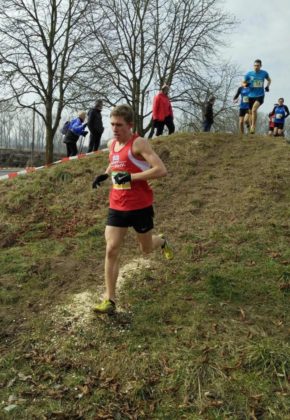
243	112
279	125
259	99
141	220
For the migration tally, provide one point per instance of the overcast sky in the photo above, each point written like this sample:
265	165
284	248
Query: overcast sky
263	32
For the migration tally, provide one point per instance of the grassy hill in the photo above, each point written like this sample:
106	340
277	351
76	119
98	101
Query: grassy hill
205	336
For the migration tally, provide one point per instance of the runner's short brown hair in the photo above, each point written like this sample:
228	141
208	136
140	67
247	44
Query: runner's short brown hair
124	111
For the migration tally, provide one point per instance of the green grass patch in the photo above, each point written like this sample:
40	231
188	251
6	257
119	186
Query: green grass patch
205	336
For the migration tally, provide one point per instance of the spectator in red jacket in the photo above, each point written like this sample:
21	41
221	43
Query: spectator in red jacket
162	113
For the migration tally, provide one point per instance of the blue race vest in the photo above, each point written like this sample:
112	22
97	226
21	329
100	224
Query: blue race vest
280	114
244	104
256	82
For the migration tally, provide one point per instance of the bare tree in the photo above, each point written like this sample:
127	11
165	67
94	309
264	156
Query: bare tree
41	57
143	44
221	82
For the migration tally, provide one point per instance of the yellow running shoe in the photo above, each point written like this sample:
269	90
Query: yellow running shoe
252	130
105	307
166	249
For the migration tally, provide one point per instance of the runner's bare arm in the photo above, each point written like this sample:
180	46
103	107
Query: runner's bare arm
108	170
143	148
236	97
269	81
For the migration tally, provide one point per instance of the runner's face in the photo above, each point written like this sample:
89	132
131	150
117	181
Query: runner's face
280	101
257	66
121	129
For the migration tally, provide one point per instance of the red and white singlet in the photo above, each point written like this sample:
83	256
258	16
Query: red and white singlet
133	195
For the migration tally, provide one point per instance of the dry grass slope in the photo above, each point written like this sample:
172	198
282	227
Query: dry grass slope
205	336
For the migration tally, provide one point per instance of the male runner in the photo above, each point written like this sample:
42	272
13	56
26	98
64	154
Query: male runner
132	163
244	91
256	80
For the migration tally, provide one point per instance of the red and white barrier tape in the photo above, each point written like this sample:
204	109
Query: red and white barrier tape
29	170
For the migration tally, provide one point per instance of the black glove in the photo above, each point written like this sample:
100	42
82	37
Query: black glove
99	179
267	89
85	133
122	177
85	124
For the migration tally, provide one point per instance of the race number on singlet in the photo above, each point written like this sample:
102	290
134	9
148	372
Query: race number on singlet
116	186
258	83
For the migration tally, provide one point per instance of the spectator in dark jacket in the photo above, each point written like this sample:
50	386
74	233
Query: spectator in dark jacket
208	114
95	125
75	130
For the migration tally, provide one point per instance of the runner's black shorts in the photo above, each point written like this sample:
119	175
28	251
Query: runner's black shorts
279	125
259	99
243	112
141	220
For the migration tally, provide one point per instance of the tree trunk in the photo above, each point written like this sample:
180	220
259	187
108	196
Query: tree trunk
49	144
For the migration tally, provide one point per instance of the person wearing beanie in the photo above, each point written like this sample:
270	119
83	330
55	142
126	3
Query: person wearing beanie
208	115
75	130
95	125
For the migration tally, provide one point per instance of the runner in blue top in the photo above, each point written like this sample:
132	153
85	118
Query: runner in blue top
256	79
280	112
243	91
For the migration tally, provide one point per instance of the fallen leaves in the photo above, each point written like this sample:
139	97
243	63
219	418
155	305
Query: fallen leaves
243	314
24	378
10	407
285	287
212	400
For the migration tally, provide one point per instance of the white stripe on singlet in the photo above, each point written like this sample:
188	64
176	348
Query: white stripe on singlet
143	165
